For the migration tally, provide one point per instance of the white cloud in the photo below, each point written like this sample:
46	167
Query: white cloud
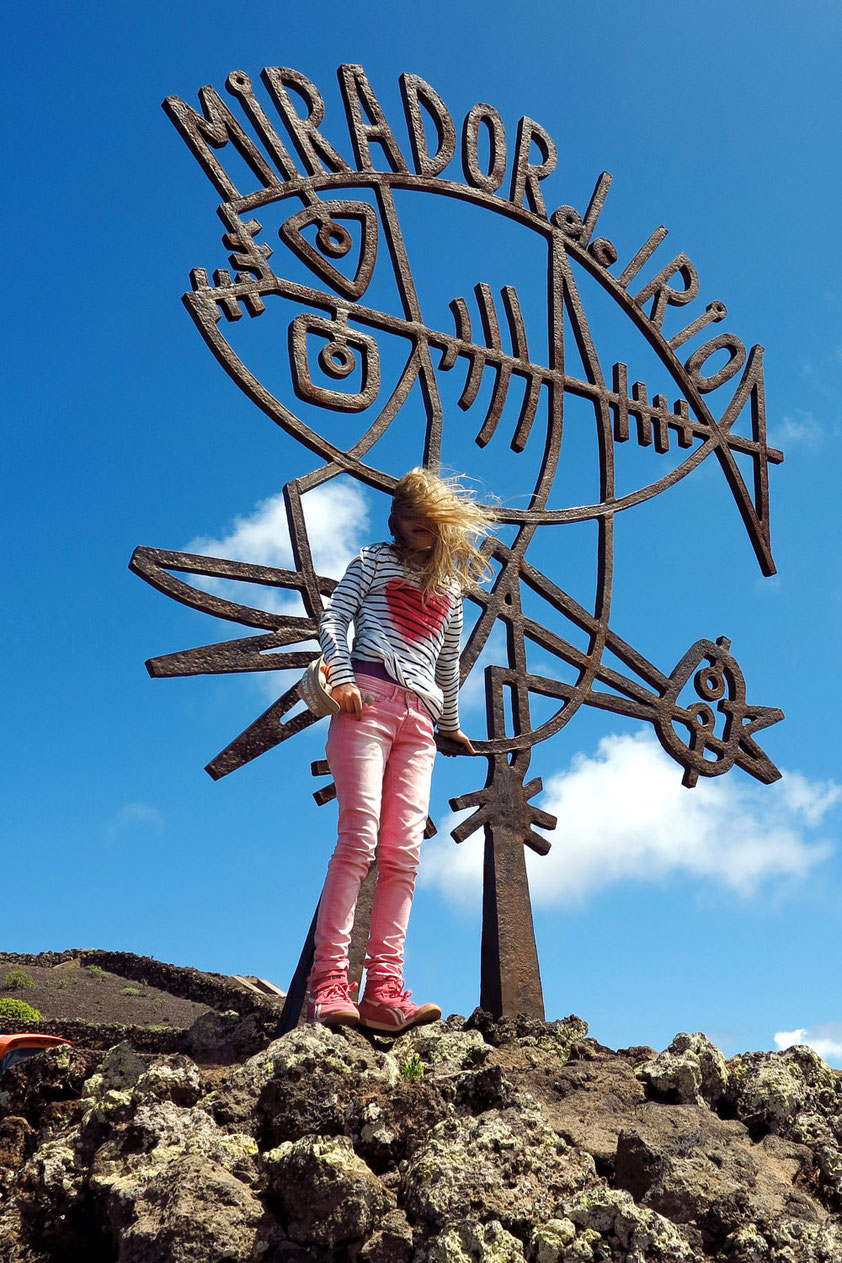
336	516
812	799
798	427
456	870
134	815
826	1040
262	537
337	519
625	817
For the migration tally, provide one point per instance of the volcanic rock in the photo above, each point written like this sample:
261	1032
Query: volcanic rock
459	1142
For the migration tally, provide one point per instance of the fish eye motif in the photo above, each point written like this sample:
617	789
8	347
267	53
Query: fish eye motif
342	353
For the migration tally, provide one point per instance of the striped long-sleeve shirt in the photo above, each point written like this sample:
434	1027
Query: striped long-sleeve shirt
417	642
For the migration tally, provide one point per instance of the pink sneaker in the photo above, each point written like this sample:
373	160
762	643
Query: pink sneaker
387	1007
330	1003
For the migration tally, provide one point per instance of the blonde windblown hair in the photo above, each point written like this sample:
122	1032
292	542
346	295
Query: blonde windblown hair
459	524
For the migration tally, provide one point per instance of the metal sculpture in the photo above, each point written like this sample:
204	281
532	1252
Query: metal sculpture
699	711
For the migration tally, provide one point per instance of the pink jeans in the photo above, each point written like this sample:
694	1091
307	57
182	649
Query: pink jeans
382	765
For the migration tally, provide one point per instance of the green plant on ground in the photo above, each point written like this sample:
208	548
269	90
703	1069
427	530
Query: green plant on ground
95	971
412	1068
130	991
17	979
62	983
12	1010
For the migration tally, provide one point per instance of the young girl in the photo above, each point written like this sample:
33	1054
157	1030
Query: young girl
401	678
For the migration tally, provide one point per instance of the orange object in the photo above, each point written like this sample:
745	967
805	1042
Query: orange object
26	1044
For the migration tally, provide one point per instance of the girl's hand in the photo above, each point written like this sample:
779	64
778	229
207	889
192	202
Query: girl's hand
460	737
349	698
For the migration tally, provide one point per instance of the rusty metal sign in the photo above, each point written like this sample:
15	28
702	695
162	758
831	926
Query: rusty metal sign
317	274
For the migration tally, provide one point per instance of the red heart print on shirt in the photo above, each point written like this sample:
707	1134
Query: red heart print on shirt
415	619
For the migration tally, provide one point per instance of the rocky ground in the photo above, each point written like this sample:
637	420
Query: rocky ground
465	1140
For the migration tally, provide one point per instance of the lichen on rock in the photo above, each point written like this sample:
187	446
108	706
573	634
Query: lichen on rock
549	1242
191	1212
776	1091
343	1064
793	1094
504	1165
691	1070
471	1242
175	1078
557	1037
637	1234
437	1046
327	1192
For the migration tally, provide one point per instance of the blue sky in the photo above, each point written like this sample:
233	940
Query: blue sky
658	909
